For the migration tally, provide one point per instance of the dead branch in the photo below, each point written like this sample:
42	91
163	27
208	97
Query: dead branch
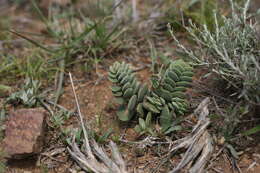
198	143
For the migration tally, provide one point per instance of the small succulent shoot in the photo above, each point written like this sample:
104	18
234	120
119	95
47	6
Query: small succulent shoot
127	90
145	126
166	118
155	81
124	114
165	98
140	110
171	92
29	94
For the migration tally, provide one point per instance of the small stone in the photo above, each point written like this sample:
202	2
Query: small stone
221	141
24	133
27	172
73	171
77	168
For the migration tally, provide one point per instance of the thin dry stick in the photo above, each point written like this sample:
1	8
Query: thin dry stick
60	81
118	12
87	146
135	14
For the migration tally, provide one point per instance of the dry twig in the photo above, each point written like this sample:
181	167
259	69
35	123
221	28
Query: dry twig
198	143
93	156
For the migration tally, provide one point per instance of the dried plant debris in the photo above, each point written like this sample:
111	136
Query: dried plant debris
198	143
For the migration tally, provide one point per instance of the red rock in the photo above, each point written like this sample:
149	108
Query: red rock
24	133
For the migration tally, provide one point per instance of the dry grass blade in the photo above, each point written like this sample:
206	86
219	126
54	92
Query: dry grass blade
205	155
116	156
94	158
31	41
86	141
60	82
199	143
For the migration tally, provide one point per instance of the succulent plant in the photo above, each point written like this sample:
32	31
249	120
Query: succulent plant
145	126
175	81
127	90
165	98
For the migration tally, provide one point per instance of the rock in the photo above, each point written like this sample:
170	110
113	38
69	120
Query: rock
27	171
72	171
24	133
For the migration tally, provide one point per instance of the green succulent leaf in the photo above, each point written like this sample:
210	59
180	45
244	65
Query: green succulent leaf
142	124
128	93
125	80
148	119
126	86
155	81
170	82
181	89
124	114
113	80
168	87
140	110
138	129
188	73
173	76
186	78
142	92
172	129
177	71
117	94
183	83
150	107
166	118
137	87
132	103
178	94
112	75
121	76
164	94
119	100
115	88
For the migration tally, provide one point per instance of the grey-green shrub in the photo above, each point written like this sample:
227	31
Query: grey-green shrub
231	51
